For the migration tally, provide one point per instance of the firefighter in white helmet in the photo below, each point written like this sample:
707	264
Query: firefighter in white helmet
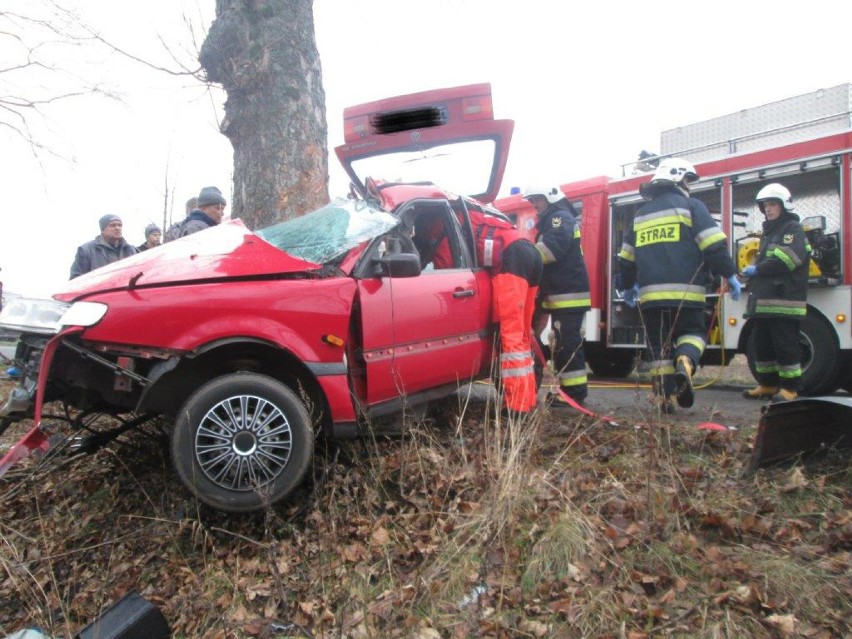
564	287
663	265
777	299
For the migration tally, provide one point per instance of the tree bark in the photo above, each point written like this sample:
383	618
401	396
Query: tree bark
264	54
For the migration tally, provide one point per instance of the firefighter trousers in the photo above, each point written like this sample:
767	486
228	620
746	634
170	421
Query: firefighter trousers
777	353
569	360
515	289
671	332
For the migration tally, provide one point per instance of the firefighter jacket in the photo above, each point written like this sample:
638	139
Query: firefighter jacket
672	241
565	282
779	287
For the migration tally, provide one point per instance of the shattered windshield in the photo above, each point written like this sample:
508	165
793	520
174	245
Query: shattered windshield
328	233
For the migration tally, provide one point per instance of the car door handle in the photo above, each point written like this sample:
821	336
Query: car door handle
468	292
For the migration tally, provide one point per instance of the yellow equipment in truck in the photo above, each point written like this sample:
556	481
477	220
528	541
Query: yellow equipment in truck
747	255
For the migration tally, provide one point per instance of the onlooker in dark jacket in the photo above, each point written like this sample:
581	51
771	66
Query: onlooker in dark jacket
153	237
108	247
777	296
209	212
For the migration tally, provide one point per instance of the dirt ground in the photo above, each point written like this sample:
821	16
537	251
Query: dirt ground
718	397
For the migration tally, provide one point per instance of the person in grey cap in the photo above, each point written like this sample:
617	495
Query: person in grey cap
108	247
208	212
153	237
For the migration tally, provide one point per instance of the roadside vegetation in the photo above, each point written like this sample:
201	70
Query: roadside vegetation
466	525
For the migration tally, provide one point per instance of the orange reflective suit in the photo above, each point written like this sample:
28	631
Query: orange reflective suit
516	268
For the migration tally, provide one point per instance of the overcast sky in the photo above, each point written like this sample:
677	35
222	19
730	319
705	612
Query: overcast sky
589	85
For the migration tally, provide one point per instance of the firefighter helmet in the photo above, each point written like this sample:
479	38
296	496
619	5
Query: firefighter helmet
775	191
552	193
675	170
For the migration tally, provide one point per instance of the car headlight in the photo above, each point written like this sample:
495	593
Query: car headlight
33	316
83	314
48	316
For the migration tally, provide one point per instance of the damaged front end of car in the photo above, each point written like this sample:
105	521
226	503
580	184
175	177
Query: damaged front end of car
36	322
56	365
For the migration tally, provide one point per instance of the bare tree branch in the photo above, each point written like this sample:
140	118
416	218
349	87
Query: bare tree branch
32	77
184	71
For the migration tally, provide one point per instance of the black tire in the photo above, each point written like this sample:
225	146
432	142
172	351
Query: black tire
230	461
821	357
846	372
610	362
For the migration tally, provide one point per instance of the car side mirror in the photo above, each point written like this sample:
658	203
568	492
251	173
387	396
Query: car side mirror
398	265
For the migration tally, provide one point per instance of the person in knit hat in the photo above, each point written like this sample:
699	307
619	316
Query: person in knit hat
153	237
108	247
208	212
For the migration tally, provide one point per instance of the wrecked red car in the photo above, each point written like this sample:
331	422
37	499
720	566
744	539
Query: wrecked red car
252	343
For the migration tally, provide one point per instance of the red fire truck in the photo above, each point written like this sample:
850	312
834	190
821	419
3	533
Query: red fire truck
805	143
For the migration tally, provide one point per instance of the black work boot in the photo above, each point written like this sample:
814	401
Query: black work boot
558	401
683	382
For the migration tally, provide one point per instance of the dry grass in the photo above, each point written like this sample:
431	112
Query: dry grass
467	525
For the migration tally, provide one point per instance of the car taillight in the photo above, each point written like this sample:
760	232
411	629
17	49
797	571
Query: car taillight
477	108
356	128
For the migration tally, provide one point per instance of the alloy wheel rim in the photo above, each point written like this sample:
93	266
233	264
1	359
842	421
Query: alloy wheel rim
243	443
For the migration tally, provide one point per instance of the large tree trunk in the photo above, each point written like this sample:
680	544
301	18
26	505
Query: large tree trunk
264	54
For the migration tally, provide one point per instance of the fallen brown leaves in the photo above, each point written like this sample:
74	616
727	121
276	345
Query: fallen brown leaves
558	528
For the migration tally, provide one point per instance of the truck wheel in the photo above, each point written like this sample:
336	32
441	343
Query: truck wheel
610	362
820	357
242	442
846	373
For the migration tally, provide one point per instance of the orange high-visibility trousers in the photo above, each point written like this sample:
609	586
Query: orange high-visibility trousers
514	305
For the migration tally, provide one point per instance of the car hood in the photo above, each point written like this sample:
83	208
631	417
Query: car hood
226	251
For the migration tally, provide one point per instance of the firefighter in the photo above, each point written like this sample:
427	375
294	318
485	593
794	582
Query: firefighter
564	287
663	264
777	296
516	269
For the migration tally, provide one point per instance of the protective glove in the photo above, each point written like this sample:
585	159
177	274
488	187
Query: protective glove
631	295
749	271
734	286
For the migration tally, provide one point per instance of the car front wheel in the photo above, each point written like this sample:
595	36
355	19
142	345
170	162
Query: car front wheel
242	442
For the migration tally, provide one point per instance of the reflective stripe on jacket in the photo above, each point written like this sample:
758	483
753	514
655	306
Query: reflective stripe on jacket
565	282
668	249
779	287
